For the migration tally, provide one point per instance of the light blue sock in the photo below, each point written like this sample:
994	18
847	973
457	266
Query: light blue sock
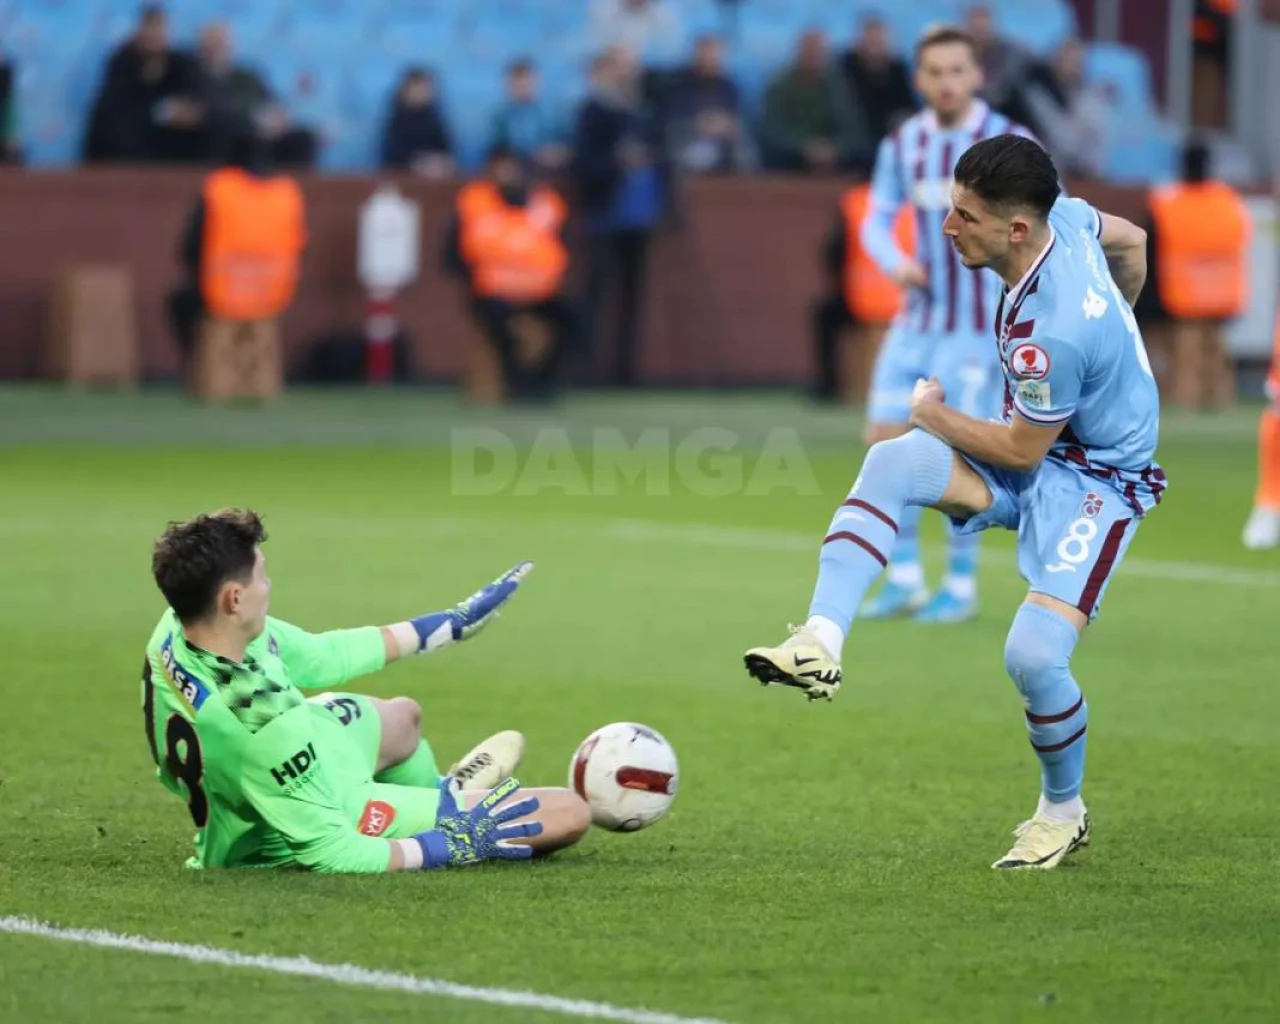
904	564
962	560
1037	656
910	470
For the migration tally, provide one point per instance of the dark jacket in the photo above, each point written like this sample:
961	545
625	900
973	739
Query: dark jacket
597	170
412	132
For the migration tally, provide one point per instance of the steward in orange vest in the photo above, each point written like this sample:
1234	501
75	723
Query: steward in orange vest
506	240
1198	235
254	234
860	292
1202	241
242	244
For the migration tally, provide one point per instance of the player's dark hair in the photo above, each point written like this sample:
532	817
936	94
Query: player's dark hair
1010	171
1195	162
192	560
941	35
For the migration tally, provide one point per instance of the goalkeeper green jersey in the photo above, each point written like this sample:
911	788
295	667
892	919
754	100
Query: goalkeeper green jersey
258	769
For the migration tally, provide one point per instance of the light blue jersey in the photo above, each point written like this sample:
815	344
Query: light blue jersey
916	165
1072	354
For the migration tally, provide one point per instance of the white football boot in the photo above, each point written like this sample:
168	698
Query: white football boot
800	661
490	761
1042	842
1263	529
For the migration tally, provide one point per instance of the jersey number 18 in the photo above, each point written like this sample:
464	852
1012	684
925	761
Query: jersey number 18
182	757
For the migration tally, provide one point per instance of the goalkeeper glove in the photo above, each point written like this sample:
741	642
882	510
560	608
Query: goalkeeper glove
464	836
466	618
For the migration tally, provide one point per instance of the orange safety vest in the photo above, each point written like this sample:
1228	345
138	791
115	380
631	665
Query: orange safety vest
254	233
514	252
872	296
1202	238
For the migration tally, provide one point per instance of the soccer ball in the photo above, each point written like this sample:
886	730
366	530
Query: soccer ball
627	774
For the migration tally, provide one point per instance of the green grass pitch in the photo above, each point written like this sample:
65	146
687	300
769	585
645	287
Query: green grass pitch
821	863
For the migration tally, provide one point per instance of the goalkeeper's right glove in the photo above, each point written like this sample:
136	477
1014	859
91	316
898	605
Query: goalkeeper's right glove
464	836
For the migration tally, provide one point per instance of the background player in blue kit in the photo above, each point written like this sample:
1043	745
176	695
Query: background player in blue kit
1071	467
944	329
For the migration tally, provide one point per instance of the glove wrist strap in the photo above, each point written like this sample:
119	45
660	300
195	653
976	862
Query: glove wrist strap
434	849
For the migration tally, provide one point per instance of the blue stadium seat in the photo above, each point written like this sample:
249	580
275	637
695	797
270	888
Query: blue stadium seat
1125	70
1039	25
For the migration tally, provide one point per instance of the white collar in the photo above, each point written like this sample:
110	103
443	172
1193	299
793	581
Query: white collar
1016	293
978	111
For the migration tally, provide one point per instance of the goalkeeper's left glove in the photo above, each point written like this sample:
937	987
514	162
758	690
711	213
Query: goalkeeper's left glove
464	836
466	618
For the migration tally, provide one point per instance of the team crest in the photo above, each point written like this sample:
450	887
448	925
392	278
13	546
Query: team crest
1029	361
1092	506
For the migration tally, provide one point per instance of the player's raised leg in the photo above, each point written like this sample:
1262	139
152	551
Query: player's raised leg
969	370
900	362
1037	656
914	470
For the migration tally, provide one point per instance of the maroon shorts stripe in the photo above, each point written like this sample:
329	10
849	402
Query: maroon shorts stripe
1106	562
1050	719
868	548
1053	748
859	503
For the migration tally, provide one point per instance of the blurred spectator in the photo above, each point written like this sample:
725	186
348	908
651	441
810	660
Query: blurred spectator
525	123
623	182
651	29
1198	236
506	240
416	136
704	113
879	81
809	124
1004	65
236	102
1069	115
10	148
144	111
213	288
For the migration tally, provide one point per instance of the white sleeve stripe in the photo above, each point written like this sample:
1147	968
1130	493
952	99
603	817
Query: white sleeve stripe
1044	419
1097	221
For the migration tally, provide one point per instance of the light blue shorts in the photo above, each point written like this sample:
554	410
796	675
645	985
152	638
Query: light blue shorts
1073	529
966	365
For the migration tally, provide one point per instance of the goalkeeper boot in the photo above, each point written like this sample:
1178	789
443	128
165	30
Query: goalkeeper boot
490	761
1042	842
800	661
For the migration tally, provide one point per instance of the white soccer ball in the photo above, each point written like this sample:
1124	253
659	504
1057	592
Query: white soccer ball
627	774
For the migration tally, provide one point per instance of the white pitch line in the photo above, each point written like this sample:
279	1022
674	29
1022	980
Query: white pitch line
777	540
345	974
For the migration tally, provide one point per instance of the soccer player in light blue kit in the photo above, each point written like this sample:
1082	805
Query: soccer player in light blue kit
1070	467
944	329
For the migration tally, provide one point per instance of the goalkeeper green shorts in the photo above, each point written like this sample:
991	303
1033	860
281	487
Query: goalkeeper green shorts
352	732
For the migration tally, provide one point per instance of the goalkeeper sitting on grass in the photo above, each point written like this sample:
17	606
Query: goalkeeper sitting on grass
338	782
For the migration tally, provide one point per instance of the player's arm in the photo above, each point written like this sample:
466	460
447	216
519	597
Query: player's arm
1020	445
1125	246
332	658
1042	405
886	198
288	782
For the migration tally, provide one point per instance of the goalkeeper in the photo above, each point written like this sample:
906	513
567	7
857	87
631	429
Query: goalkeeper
336	783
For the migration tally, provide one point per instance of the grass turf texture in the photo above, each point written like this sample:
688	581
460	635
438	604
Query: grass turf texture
820	862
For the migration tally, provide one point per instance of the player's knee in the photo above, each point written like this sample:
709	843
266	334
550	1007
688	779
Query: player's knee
1031	658
915	465
565	818
401	729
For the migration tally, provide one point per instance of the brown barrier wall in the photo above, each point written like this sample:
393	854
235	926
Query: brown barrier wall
730	288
